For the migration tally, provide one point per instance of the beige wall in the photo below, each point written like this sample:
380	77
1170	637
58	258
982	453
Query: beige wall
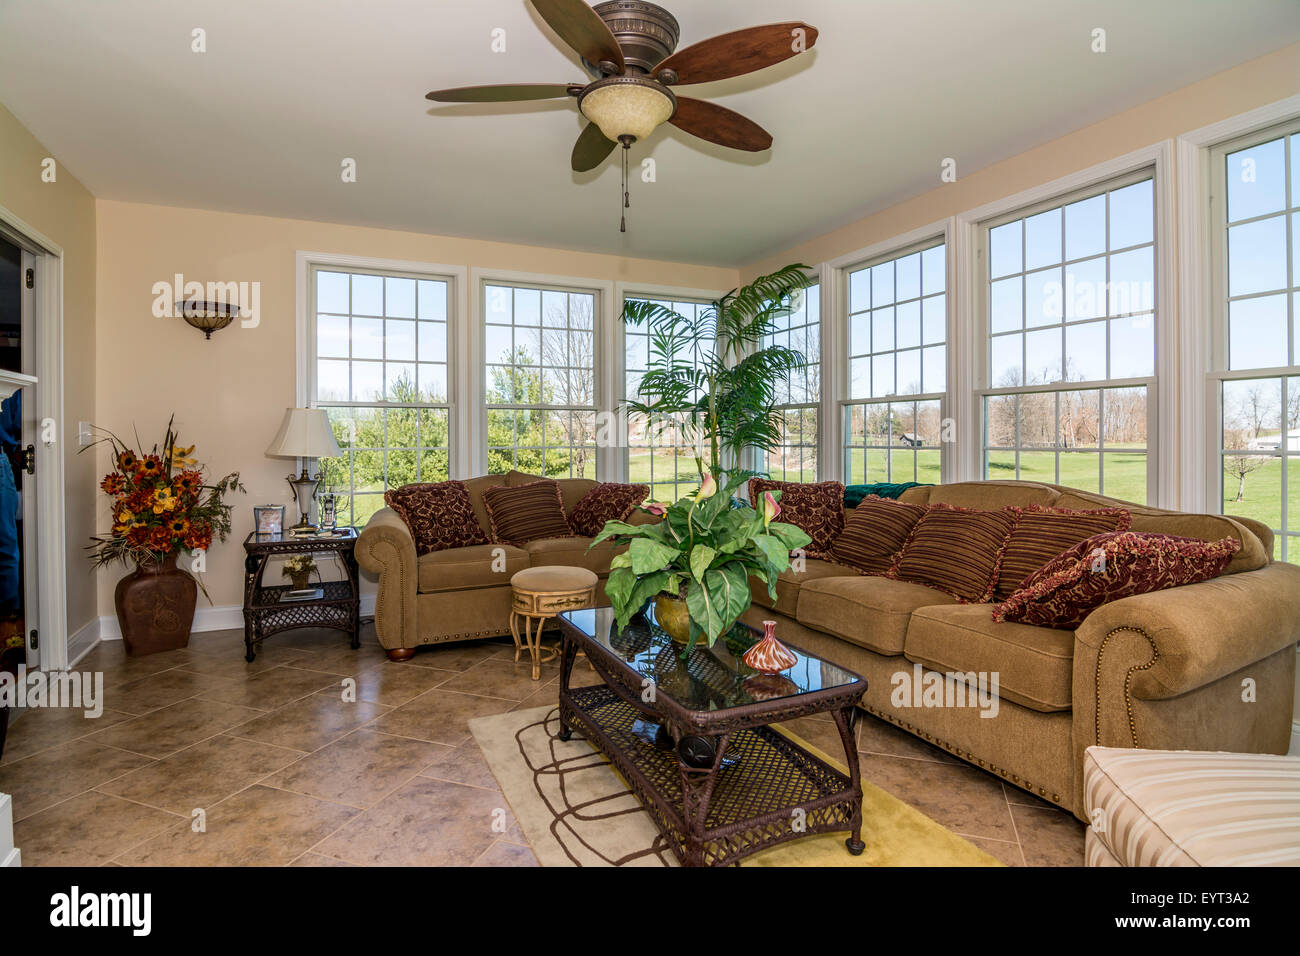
64	212
229	392
1243	88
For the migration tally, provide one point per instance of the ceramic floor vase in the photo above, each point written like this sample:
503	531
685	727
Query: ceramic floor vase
155	607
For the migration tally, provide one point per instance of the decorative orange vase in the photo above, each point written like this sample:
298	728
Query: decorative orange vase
770	656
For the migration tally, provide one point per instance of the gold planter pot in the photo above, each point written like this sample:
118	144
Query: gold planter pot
672	614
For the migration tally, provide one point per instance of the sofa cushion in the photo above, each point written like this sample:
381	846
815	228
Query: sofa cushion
1034	665
479	566
871	612
440	515
816	508
524	513
608	501
1108	567
1043	533
874	532
956	550
476	487
789	583
990	495
572	552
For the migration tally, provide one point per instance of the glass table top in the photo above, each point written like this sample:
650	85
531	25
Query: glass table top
711	678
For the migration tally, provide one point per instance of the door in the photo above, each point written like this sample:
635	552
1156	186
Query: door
18	597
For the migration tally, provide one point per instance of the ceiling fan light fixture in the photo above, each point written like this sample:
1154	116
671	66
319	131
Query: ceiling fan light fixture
627	106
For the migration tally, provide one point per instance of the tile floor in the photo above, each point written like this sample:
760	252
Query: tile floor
202	759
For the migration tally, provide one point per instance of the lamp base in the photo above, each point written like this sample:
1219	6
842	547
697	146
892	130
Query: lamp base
304	489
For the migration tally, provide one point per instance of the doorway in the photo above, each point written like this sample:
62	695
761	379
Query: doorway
15	313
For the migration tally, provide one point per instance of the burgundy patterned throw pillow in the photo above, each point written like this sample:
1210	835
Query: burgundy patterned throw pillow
440	515
1042	533
874	532
1108	567
956	550
608	501
526	512
817	509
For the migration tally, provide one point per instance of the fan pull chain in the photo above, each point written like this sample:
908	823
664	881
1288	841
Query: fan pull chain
622	220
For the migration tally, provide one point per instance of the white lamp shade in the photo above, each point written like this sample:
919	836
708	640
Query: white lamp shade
304	433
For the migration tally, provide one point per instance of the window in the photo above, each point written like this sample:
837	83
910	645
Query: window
660	454
1070	308
380	372
1257	301
898	330
798	398
540	349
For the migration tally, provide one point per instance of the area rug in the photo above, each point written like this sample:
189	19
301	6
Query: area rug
576	810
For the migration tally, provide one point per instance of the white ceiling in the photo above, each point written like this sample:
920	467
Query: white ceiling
287	89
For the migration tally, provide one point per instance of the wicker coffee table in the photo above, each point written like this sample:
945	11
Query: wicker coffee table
694	738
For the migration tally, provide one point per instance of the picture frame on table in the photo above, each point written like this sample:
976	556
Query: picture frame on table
268	519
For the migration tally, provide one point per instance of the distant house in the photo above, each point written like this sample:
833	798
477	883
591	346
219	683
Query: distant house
1274	442
912	439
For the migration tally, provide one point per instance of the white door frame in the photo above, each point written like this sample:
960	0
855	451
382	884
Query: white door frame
50	566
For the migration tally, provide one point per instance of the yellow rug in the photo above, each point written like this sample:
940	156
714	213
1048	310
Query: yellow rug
576	811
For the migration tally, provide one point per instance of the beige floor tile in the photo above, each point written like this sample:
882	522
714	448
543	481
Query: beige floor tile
273	688
1023	798
232	666
464	764
439	715
881	737
459	656
1002	850
506	854
40	728
110	659
395	684
158	690
359	769
53	775
547	696
424	823
501	678
88	830
963	799
315	859
260	826
310	723
342	661
1049	837
174	727
201	775
822	734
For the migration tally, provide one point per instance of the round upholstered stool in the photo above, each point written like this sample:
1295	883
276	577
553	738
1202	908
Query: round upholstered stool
540	594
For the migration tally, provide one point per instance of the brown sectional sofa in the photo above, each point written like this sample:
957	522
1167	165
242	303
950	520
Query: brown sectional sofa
462	593
1162	670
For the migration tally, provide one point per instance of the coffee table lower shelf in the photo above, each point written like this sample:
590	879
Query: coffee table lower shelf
769	791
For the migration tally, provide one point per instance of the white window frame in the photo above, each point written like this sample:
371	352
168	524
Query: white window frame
308	262
971	302
836	380
476	451
617	360
759	461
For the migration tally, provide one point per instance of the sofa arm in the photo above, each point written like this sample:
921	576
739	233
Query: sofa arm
385	547
1169	642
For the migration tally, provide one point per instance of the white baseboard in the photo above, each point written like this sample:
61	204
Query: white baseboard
9	855
1295	739
82	641
228	617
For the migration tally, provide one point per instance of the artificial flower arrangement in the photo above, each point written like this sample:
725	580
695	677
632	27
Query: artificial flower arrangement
299	568
703	552
161	503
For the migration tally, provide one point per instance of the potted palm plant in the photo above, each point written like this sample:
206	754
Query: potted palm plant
712	375
696	562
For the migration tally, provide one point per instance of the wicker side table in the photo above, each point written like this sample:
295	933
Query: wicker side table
541	594
265	611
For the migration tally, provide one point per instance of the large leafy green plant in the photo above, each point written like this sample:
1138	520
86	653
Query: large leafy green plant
712	375
704	550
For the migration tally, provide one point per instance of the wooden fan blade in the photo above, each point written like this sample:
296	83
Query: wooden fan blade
720	125
581	28
739	52
591	149
504	93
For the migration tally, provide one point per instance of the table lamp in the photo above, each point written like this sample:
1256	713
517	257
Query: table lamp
304	433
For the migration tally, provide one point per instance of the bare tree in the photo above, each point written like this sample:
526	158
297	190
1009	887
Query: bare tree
1239	466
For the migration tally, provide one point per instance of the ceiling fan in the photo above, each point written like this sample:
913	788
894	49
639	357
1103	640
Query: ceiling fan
628	46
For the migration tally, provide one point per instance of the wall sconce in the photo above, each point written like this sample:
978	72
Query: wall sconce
207	317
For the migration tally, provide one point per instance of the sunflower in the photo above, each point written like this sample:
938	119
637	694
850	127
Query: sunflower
113	484
163	500
179	526
189	480
180	457
126	460
150	466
